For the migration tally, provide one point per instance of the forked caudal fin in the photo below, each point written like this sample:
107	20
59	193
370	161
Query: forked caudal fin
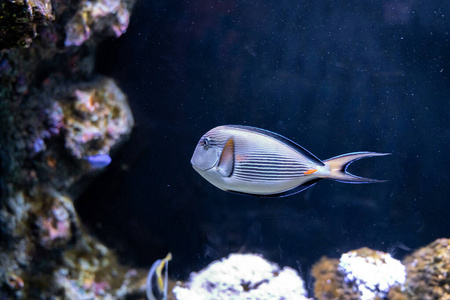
339	164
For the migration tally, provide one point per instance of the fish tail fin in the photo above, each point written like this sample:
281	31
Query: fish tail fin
339	164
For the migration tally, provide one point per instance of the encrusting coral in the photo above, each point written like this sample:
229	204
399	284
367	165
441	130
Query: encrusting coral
328	281
58	121
96	120
19	20
96	16
369	274
428	270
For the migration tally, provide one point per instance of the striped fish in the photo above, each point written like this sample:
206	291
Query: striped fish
258	162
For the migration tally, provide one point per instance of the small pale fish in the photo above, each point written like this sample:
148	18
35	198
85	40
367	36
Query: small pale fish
156	288
258	162
98	161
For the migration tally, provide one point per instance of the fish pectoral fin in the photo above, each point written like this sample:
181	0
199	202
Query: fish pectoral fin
226	161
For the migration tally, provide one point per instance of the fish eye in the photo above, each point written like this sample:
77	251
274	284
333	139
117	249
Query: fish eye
206	142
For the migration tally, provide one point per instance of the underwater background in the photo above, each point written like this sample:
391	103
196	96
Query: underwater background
335	77
102	103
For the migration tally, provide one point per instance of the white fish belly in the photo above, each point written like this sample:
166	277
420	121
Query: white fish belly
263	187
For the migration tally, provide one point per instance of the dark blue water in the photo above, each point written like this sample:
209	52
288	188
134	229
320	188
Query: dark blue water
334	76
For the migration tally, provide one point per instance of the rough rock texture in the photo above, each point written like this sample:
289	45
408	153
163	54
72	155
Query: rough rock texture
428	271
96	119
97	16
329	281
19	20
57	118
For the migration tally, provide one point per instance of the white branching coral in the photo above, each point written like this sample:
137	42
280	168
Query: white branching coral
371	272
243	276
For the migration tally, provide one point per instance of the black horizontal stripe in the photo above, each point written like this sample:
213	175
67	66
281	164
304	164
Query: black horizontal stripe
271	162
308	155
272	165
261	178
256	173
270	157
267	176
269	170
291	175
250	159
268	154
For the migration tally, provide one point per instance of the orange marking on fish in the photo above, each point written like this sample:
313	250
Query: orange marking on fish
310	171
240	157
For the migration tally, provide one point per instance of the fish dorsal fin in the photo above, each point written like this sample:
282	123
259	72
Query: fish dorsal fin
226	161
282	139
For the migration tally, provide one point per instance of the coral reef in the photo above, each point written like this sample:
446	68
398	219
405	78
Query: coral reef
96	16
48	137
371	272
96	119
19	20
57	258
428	272
243	276
360	274
58	122
329	281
